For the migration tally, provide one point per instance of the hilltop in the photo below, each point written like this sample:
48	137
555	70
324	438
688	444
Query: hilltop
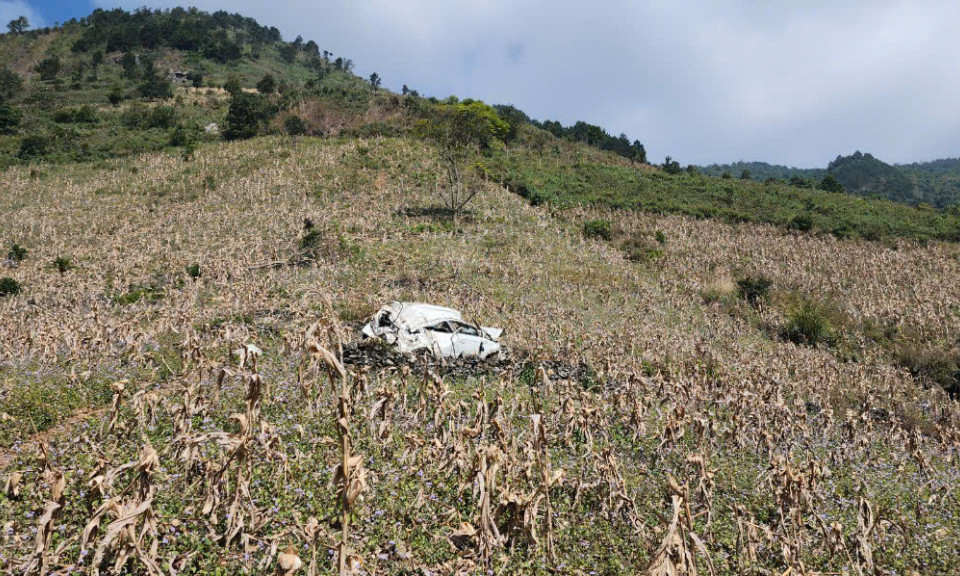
936	183
703	375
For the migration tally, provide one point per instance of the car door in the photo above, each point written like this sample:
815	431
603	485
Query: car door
467	341
443	334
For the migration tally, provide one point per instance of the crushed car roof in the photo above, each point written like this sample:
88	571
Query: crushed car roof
413	316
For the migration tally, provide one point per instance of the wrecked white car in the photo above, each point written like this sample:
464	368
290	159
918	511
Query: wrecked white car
412	327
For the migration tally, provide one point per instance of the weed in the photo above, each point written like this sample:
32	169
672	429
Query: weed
601	229
809	323
754	289
17	253
9	287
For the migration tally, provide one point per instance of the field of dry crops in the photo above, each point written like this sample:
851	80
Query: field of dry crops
175	401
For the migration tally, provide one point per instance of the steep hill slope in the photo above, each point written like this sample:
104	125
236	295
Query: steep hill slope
657	375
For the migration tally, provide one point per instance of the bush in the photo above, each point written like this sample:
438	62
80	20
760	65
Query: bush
185	135
162	117
17	253
267	85
82	115
48	68
932	366
115	96
244	116
598	229
32	147
295	126
193	271
9	287
754	289
641	249
62	265
809	324
801	222
9	119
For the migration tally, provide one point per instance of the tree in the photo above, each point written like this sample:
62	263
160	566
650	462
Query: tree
671	166
459	131
48	68
244	116
288	53
232	85
154	85
374	81
10	83
196	78
115	96
831	184
294	125
96	59
267	85
746	175
9	119
19	25
405	90
129	63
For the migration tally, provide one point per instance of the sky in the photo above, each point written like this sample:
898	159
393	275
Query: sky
793	83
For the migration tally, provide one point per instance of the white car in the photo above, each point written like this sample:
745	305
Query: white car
412	327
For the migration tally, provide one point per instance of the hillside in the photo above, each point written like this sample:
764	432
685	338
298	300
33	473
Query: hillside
936	183
703	375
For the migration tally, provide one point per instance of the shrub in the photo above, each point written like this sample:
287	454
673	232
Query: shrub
267	85
115	96
9	119
185	135
48	68
598	229
801	222
162	117
809	324
641	249
17	253
32	147
62	264
295	125
661	237
244	116
193	271
932	366
9	287
754	289
83	115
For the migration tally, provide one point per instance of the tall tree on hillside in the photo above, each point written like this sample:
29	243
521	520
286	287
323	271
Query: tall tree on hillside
374	81
244	116
18	25
267	85
831	184
459	131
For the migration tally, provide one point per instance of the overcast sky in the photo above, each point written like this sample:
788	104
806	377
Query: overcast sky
792	83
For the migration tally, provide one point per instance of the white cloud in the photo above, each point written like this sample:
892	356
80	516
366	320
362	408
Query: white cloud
795	83
11	10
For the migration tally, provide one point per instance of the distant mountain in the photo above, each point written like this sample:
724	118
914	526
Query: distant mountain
936	183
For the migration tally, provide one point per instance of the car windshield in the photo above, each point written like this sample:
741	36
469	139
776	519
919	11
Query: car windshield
467	329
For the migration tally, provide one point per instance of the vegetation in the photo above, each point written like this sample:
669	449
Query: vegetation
570	178
9	286
459	131
195	379
936	183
